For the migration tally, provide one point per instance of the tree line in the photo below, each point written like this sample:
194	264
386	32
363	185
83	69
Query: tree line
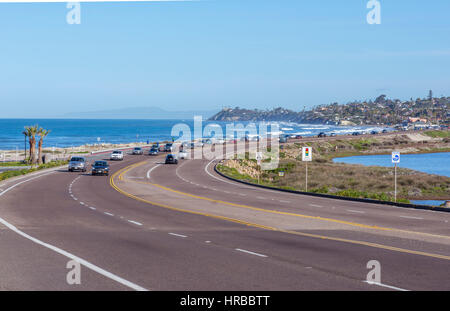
31	132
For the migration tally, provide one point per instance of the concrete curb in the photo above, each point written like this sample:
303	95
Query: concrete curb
330	196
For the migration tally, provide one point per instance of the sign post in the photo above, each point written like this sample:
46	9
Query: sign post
258	161
395	160
307	157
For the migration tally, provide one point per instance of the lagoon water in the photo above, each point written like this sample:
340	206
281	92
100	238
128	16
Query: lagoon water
432	163
76	132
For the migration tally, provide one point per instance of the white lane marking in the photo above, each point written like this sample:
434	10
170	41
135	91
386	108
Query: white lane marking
284	201
134	222
109	214
150	170
241	194
249	252
179	235
355	211
83	262
410	217
82	203
315	205
92	208
75	198
207	241
387	286
261	198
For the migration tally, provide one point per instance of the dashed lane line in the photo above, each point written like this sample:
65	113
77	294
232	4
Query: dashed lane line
178	235
251	253
135	222
60	251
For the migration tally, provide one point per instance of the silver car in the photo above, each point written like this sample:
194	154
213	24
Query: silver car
137	150
77	164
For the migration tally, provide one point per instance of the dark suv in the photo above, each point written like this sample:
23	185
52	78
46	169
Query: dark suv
171	159
168	147
100	168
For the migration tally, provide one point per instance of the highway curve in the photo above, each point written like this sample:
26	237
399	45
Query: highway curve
151	226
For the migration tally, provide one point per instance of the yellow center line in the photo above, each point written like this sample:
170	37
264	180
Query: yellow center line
121	172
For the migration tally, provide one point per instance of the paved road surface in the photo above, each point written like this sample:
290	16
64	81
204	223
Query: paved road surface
182	227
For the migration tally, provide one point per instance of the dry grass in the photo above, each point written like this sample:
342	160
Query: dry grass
324	176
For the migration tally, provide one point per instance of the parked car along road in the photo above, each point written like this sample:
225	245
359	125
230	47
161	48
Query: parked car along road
100	168
77	164
322	134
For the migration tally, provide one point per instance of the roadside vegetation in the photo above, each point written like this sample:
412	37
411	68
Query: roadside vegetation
9	174
3	164
357	181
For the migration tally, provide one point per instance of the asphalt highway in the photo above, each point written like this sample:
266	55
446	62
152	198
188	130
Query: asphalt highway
151	226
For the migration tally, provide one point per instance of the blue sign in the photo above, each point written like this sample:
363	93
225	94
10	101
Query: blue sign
395	157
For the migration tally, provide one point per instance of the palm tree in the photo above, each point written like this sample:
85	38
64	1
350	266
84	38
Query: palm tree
31	134
42	134
26	135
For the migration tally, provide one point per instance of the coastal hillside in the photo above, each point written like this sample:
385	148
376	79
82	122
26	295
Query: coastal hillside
381	111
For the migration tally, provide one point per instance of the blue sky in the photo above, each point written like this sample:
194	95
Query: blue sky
209	54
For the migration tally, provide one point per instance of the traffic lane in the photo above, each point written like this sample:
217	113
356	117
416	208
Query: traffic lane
401	270
389	236
201	182
345	264
159	260
28	266
52	190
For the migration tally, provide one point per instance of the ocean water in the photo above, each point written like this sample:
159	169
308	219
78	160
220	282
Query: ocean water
432	163
76	132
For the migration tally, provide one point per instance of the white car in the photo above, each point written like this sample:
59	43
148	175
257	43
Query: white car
183	155
117	155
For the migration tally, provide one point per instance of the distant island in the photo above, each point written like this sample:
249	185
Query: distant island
381	111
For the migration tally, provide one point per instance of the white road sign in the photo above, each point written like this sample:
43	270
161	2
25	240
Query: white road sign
306	154
258	157
395	157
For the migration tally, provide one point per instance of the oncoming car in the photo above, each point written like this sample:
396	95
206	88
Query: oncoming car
100	168
117	155
154	151
77	164
137	150
171	159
